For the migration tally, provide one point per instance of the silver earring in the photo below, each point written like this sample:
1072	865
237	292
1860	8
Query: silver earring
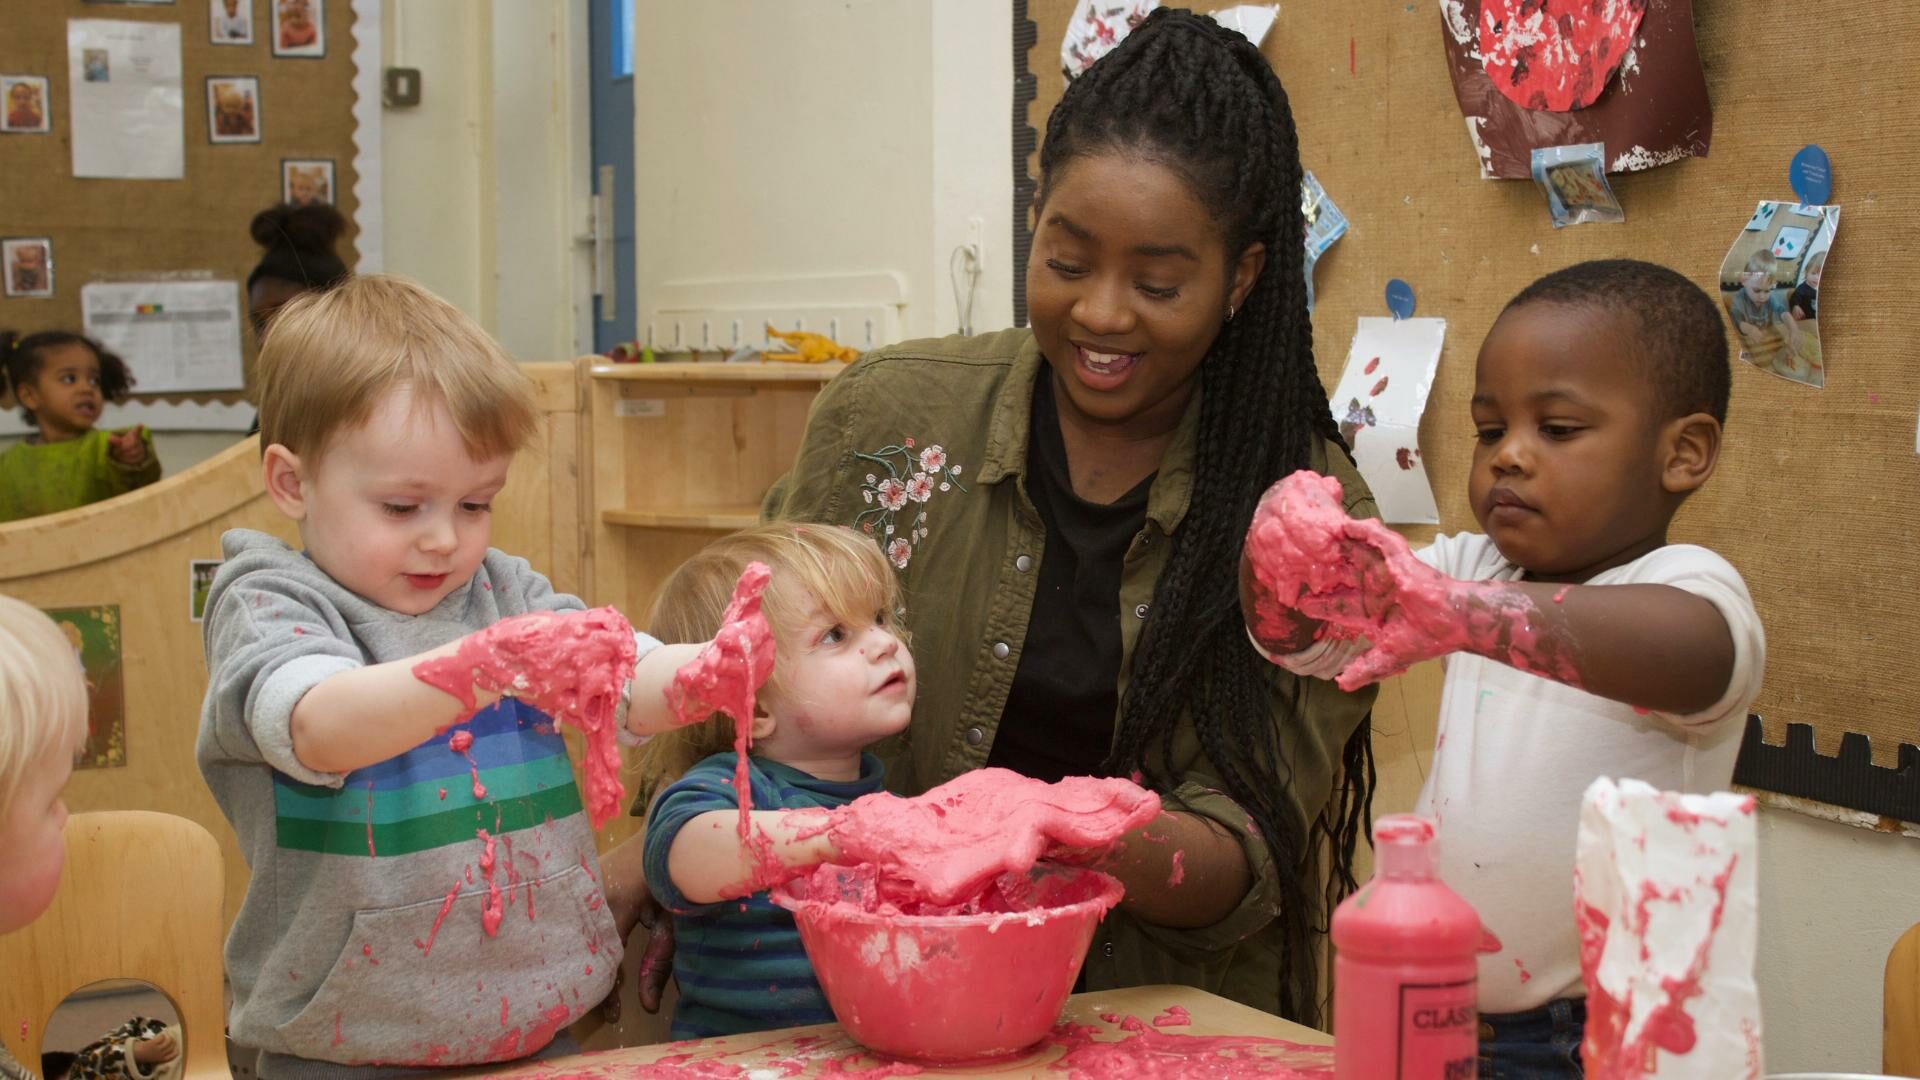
1229	312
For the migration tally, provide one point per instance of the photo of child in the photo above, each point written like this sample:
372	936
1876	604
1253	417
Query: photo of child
299	28
304	182
231	22
1771	289
233	112
29	266
25	100
199	582
1574	179
96	65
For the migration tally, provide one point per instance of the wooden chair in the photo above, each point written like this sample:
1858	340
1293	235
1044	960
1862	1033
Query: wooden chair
139	898
1900	1048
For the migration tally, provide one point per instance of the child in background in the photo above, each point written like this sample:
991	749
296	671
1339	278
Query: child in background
43	723
1599	396
382	923
842	680
1805	302
62	380
1758	314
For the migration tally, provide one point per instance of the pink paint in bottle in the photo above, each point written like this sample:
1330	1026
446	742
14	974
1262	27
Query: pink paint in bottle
1405	968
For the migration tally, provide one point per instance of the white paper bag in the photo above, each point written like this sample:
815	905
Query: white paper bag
1664	891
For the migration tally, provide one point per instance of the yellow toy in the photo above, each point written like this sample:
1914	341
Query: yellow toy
810	348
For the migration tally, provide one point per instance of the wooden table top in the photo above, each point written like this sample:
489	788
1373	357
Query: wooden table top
826	1050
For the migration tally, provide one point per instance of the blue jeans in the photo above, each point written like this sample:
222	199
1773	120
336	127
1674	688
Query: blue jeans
1540	1044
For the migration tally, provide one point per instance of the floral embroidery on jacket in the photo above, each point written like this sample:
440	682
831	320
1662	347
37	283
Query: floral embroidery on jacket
896	513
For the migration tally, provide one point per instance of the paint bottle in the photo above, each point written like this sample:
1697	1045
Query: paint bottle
1405	968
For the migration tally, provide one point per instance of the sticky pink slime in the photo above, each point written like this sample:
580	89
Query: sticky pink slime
728	674
950	843
571	666
1360	579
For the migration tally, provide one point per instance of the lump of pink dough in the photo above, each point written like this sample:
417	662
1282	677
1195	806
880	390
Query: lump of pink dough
570	665
952	841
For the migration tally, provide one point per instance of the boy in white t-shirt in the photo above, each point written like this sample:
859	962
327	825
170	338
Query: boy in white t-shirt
1599	395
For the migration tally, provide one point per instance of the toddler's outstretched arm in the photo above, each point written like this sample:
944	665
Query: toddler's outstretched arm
709	862
1306	564
684	684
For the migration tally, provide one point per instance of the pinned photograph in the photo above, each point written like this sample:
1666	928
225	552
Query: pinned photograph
305	181
94	633
1378	404
25	101
29	266
96	66
299	27
233	109
1325	224
230	22
199	583
1575	180
1770	284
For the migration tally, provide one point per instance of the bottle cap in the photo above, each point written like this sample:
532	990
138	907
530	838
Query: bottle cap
1404	846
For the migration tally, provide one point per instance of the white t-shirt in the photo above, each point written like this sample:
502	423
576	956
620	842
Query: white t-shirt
1515	752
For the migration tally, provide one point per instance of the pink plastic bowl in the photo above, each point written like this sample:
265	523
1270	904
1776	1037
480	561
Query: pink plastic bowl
948	988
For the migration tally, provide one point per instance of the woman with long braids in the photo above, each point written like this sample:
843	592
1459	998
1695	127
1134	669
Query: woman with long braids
1066	506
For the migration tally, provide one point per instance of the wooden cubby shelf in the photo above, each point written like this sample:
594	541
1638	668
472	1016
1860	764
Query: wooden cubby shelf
718	518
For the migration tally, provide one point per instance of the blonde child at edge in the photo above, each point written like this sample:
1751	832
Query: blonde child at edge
410	904
43	722
842	681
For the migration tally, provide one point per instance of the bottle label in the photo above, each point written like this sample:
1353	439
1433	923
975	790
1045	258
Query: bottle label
1439	1030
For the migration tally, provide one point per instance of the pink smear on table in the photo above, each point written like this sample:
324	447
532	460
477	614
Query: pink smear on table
728	674
1146	1054
1179	868
1360	579
950	843
1174	1016
1556	55
569	665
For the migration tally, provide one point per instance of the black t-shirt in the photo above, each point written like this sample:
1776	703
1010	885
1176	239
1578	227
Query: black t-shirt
1059	715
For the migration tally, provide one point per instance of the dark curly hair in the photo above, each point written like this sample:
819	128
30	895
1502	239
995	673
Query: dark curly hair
1199	99
22	355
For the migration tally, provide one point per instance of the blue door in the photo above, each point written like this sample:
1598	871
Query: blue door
610	34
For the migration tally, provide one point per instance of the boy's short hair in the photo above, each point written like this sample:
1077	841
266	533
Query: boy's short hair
1682	343
843	569
43	694
331	355
1762	262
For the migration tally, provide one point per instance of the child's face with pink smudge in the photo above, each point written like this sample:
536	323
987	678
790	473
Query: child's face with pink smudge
395	509
31	836
841	686
1568	470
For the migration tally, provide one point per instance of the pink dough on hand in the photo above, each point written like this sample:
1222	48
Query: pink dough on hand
727	675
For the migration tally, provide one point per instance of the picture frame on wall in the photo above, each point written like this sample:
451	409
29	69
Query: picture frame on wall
25	107
305	181
233	109
28	266
230	22
299	28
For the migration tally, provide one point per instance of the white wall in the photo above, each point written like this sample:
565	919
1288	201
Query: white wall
811	138
484	179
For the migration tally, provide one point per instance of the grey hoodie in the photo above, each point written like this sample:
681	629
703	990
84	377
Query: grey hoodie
362	937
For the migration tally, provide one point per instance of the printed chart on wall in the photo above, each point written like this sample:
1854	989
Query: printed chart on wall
1378	404
94	633
175	335
123	79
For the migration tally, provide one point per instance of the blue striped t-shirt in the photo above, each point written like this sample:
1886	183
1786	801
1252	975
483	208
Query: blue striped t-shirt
739	963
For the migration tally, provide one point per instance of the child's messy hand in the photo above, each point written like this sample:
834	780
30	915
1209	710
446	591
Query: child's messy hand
1306	561
539	658
128	447
732	667
156	1049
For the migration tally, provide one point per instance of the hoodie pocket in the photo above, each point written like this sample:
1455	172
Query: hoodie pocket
426	984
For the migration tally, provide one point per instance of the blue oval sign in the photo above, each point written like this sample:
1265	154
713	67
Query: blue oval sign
1400	299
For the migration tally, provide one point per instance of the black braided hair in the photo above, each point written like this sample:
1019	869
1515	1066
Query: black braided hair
1198	98
21	357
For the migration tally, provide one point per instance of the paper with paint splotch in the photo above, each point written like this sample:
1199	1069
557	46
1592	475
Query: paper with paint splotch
1097	26
94	633
1378	404
1555	54
1652	109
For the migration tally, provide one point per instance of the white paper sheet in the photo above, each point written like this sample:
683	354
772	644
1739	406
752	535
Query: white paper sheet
174	335
123	80
1378	404
1252	20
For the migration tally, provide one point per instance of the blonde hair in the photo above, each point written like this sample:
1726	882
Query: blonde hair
1815	261
332	354
43	694
840	570
1762	261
